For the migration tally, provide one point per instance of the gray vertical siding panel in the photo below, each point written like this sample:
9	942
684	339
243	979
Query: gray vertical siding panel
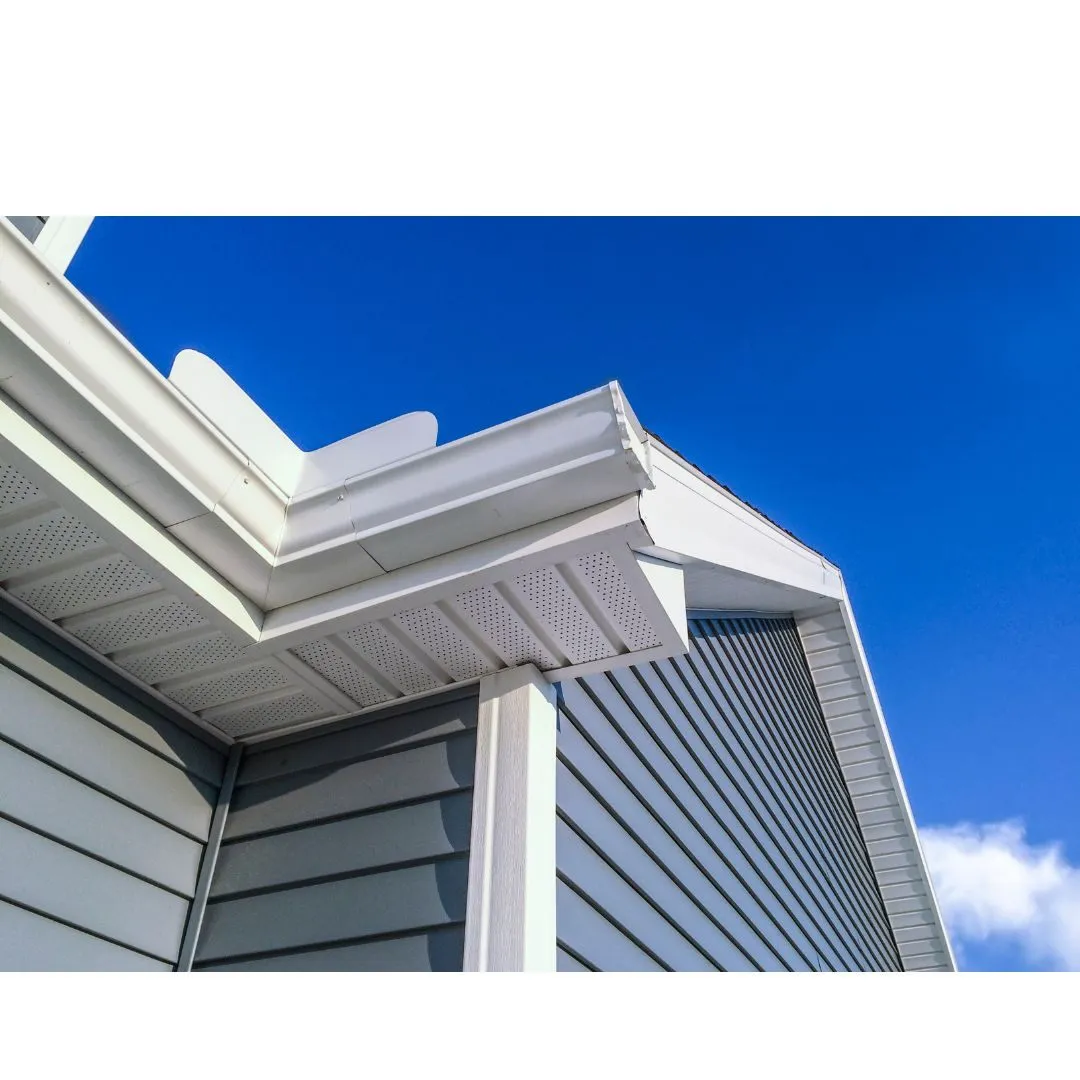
602	942
729	728
348	850
724	780
709	851
628	881
791	668
672	750
104	809
798	779
671	711
807	775
703	820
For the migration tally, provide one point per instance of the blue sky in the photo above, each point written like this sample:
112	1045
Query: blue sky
900	393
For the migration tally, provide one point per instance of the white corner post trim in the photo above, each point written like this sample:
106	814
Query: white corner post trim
510	916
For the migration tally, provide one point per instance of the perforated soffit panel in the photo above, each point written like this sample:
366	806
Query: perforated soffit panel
579	612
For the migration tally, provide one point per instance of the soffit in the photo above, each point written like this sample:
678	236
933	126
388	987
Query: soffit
579	605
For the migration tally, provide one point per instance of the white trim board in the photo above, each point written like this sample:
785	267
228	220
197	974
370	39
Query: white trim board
860	737
197	455
510	917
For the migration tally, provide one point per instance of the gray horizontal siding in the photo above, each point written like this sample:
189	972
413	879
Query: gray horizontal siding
432	950
68	677
32	942
349	850
392	902
46	726
104	812
46	876
703	822
58	805
290	802
420	831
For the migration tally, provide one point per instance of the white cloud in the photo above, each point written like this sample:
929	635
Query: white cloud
992	884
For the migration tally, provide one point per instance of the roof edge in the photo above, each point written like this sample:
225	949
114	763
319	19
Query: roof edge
853	727
259	524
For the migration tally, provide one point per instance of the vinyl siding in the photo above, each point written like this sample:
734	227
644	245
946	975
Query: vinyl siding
703	822
861	743
105	807
348	850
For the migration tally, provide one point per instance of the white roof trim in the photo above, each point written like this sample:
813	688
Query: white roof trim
728	552
695	522
174	529
221	401
250	511
860	736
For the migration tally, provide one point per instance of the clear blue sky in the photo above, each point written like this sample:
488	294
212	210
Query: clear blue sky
901	394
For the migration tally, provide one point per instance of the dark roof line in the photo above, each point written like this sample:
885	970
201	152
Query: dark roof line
734	495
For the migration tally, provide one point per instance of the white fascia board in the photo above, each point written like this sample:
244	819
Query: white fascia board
610	525
664	597
714	588
692	518
390	492
78	378
894	768
560	459
808	623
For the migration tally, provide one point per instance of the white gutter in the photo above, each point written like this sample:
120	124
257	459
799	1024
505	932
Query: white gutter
557	461
77	375
216	474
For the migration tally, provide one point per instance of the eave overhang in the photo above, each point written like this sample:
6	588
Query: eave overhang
281	526
735	560
171	529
